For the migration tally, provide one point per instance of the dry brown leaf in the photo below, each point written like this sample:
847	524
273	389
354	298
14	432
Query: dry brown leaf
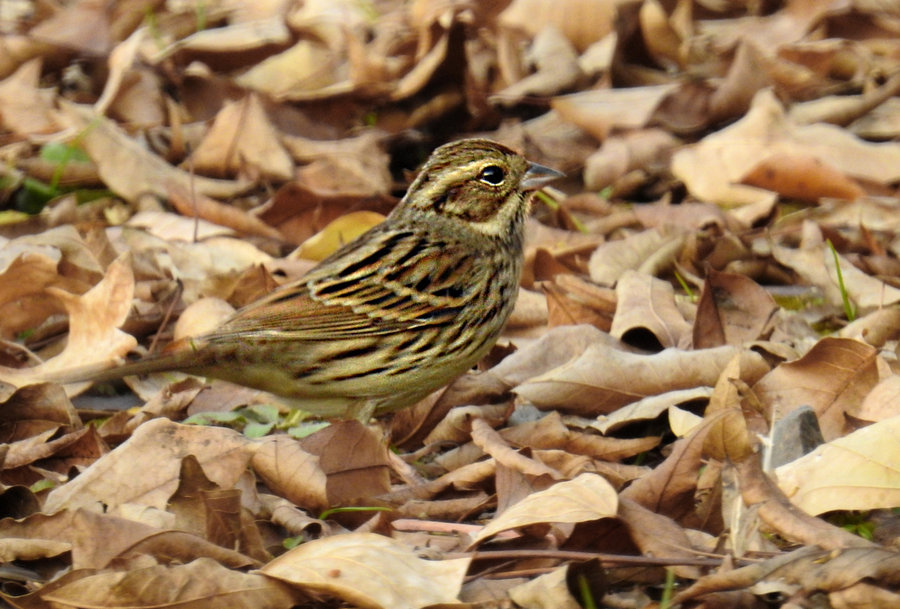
547	591
832	378
371	571
603	379
583	22
621	154
802	177
856	472
243	141
557	69
647	305
353	458
127	167
815	264
714	169
195	205
807	570
649	408
101	539
94	319
875	328
657	535
26	109
83	26
880	403
733	310
601	111
649	251
240	35
308	70
196	584
121	476
24	304
663	42
670	488
493	444
585	498
746	75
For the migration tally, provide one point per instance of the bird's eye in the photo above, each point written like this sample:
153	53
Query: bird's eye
492	174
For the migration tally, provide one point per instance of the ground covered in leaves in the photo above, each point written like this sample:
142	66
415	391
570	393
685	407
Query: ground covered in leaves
697	401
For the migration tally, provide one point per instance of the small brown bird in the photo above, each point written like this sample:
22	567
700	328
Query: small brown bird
393	315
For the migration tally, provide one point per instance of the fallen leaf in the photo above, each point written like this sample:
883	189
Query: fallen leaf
369	570
587	497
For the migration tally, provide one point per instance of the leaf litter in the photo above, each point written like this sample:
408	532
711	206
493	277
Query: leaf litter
695	401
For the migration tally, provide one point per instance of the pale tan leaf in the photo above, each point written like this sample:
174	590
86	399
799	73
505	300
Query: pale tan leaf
646	251
130	169
856	472
243	141
587	497
682	422
815	264
880	403
548	591
582	21
308	70
603	379
371	571
600	111
650	407
94	319
26	109
714	168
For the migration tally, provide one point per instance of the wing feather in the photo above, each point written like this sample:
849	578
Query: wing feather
410	283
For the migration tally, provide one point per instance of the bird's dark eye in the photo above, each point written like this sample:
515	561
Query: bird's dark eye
492	174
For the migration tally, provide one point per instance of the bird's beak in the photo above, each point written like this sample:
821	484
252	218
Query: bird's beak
538	175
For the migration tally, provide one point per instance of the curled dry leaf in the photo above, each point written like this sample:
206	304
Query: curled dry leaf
101	539
647	305
585	498
371	571
650	407
785	518
548	590
94	319
603	379
649	251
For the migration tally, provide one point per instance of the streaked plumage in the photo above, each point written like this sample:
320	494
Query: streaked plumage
396	313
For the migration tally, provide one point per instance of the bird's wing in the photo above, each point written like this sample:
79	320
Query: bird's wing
395	282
